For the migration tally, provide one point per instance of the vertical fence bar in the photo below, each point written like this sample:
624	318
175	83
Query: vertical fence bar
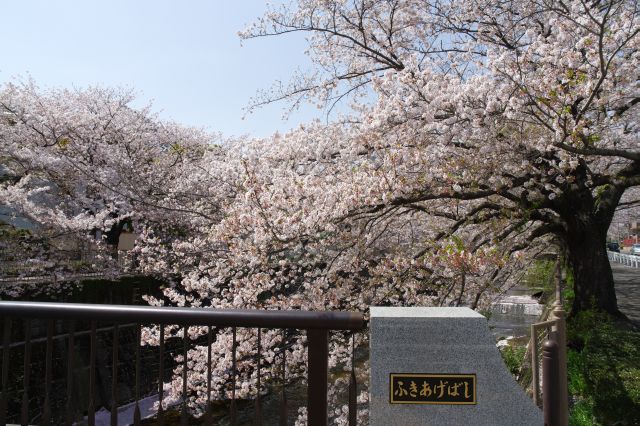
46	414
114	378
5	370
136	411
284	409
535	372
69	410
209	411
258	409
24	417
183	415
91	414
550	384
353	386
318	353
561	335
161	378
233	414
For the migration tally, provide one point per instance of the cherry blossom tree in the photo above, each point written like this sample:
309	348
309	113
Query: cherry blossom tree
81	161
521	117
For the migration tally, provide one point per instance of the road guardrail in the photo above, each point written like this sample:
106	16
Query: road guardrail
625	259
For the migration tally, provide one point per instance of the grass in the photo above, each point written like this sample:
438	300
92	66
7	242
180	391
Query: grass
513	357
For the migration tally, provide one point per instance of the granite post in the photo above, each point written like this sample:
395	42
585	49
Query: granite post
442	351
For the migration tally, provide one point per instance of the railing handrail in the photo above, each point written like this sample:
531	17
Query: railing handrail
61	277
543	324
302	320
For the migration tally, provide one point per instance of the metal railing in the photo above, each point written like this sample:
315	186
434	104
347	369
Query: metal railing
67	266
51	278
540	333
625	259
548	346
317	325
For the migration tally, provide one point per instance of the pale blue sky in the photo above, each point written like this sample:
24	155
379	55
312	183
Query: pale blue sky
185	56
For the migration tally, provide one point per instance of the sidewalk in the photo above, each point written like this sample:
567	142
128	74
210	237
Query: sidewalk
627	281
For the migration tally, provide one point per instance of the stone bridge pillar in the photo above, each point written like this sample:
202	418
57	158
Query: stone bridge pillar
440	366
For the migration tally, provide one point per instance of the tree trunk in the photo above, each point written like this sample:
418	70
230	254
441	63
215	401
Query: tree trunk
593	278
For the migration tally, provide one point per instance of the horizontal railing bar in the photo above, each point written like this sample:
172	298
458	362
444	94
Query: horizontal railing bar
51	277
544	324
186	316
66	335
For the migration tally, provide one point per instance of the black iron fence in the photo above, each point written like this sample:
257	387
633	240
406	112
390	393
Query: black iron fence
120	317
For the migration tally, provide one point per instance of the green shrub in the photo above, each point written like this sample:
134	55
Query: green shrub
582	415
603	370
513	357
575	366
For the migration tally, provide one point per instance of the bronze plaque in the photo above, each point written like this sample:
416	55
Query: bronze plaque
415	388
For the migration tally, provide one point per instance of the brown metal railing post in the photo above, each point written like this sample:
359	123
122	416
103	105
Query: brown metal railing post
233	414
161	377
535	366
353	386
257	416
46	415
284	409
561	337
550	384
136	411
209	411
70	406
185	362
24	415
91	413
5	370
318	376
114	377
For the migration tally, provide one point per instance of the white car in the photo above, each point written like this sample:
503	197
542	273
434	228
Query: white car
635	249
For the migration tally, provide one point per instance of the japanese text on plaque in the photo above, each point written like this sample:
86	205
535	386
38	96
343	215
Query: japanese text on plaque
409	388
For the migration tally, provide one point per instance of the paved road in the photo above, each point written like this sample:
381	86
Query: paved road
627	281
